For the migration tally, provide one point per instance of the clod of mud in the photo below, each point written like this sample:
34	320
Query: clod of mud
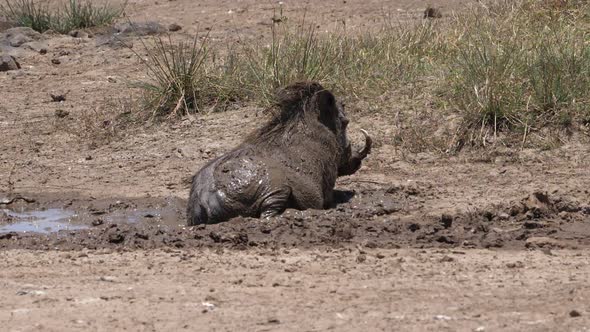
8	62
16	37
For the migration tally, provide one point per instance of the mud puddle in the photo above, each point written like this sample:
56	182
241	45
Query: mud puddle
376	217
43	221
43	216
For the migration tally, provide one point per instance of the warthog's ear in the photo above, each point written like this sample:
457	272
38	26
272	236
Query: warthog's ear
325	102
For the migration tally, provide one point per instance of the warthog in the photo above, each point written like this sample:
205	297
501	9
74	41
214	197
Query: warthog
291	162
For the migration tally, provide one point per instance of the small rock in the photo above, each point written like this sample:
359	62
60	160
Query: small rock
57	98
43	51
515	265
18	40
78	34
274	321
575	313
447	259
208	305
442	317
116	238
503	216
55	61
107	279
61	113
174	27
480	329
544	242
446	220
361	258
380	256
432	12
8	62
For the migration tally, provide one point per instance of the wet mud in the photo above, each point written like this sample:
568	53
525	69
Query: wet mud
374	217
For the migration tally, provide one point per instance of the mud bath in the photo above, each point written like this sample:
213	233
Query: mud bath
392	217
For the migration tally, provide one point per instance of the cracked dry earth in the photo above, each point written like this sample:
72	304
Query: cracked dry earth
418	242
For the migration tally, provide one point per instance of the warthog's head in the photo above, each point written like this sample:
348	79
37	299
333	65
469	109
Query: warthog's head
310	102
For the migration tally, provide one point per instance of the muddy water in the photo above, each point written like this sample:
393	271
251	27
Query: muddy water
42	221
72	215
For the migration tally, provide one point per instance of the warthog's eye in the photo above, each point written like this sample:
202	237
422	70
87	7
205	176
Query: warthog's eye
344	121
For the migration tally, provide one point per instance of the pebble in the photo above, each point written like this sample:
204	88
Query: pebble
174	27
575	313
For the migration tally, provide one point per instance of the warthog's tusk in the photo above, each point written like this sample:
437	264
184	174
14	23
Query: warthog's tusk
368	143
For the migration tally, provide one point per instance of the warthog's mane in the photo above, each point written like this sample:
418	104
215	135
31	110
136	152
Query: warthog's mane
290	109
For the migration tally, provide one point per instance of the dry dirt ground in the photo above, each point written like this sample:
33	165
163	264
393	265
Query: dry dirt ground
488	241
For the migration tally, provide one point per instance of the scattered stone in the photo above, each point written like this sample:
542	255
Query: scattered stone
515	265
61	113
55	61
446	220
8	62
140	28
174	27
480	329
442	317
107	279
115	237
380	255
208	306
447	259
361	258
43	51
575	313
544	242
432	12
274	321
78	34
533	224
31	292
57	98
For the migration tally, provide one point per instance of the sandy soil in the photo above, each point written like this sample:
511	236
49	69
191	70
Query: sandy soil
482	241
295	290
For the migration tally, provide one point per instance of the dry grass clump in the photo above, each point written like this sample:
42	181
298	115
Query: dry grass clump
74	14
520	67
506	69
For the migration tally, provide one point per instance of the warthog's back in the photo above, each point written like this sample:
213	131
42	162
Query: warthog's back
236	184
